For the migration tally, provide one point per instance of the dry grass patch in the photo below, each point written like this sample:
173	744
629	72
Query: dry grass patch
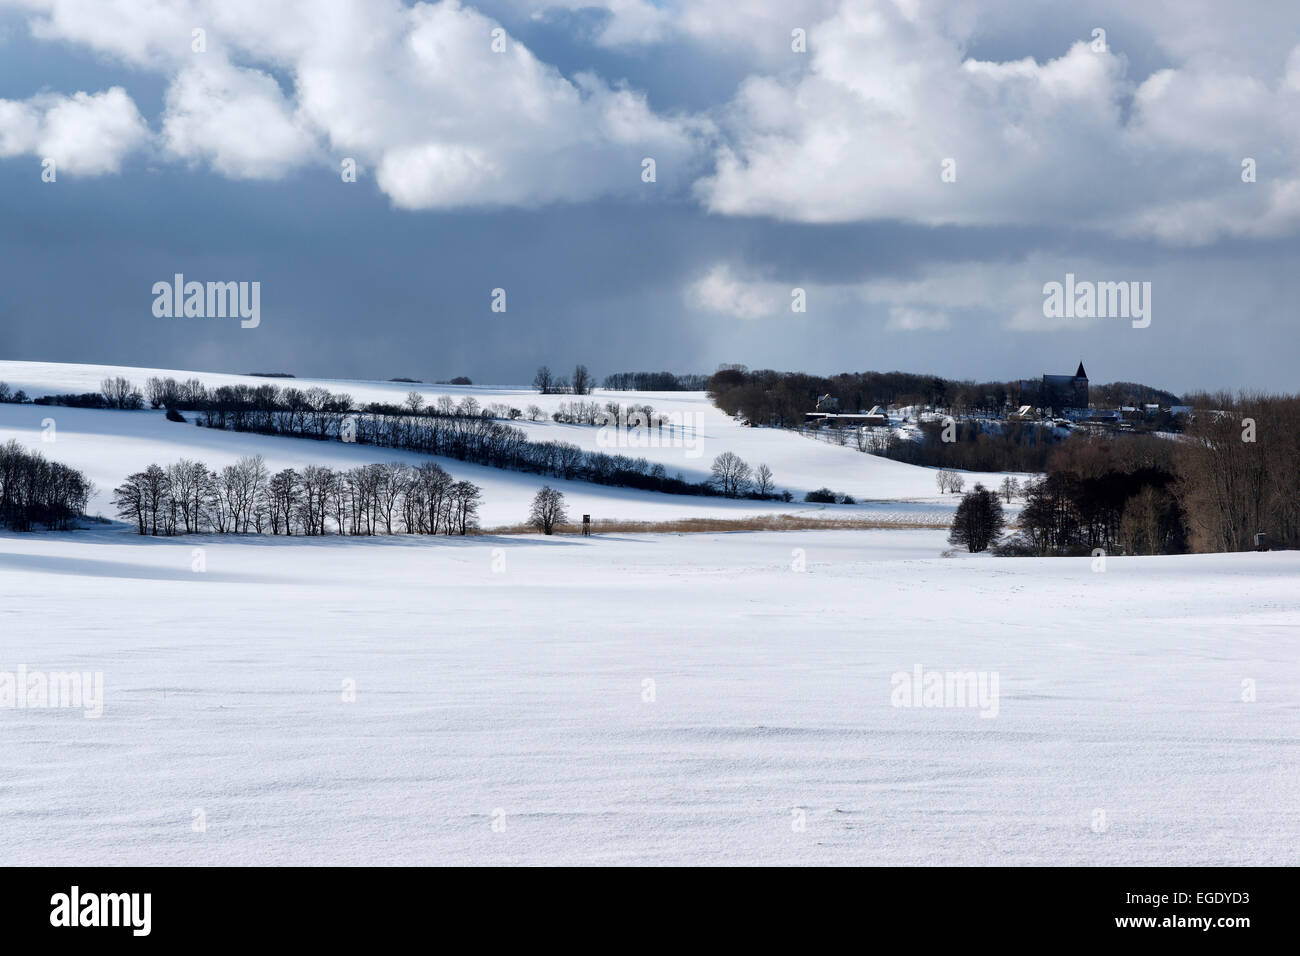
781	522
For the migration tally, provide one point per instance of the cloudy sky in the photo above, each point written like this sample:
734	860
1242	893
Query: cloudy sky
919	168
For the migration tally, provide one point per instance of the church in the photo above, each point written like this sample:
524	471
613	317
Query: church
1060	393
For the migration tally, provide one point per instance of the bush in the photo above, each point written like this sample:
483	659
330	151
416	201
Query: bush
822	496
1015	546
978	521
174	416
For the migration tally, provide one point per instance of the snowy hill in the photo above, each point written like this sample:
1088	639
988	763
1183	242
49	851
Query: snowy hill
109	445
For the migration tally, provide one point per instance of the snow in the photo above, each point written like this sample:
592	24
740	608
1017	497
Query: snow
799	464
109	445
506	676
503	680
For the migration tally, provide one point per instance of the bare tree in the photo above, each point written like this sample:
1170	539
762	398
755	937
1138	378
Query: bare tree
129	499
317	484
390	486
282	500
118	392
763	480
949	481
191	487
464	498
144	497
193	393
582	382
730	474
548	510
154	391
543	381
568	458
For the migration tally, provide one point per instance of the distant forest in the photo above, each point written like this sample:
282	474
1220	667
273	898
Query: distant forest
654	382
782	399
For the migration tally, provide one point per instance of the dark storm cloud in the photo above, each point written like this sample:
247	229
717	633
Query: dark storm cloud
353	287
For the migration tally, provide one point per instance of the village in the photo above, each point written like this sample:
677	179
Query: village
1060	401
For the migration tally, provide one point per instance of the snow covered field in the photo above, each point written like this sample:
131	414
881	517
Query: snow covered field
505	680
706	698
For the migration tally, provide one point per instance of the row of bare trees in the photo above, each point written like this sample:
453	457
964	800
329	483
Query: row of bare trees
654	382
548	383
246	498
37	492
458	430
463	430
609	415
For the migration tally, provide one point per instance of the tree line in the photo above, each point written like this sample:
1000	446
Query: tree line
547	383
654	382
187	497
1232	475
455	430
463	430
37	492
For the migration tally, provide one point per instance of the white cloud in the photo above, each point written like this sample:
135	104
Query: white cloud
722	292
415	93
911	319
86	134
889	95
857	128
236	119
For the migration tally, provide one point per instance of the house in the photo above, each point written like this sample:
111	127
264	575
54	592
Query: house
828	403
1025	413
873	418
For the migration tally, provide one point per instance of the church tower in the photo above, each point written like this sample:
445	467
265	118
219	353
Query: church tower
1081	388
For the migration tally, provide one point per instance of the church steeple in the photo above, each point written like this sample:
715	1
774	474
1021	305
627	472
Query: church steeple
1081	373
